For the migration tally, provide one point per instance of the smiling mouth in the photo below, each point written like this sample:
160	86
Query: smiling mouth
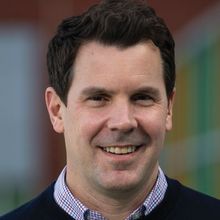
120	150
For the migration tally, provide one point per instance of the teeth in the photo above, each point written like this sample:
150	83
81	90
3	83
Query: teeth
120	150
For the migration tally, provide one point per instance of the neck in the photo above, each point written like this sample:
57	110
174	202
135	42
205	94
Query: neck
117	204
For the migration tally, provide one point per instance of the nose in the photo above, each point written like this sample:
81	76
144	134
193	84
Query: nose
122	118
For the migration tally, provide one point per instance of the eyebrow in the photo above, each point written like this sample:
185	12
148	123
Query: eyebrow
95	90
148	89
101	90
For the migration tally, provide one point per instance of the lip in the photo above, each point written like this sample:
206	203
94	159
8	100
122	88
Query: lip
122	157
119	145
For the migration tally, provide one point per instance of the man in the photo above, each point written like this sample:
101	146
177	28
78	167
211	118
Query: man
112	76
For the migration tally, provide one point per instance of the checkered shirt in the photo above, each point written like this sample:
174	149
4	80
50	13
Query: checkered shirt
65	199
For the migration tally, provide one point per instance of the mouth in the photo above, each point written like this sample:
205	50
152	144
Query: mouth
120	150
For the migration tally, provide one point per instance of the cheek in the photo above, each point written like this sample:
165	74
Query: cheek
88	125
154	123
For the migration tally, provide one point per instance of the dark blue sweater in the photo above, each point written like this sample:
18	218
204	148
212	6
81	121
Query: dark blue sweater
180	203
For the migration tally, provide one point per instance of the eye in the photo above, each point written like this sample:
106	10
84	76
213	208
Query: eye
143	99
97	100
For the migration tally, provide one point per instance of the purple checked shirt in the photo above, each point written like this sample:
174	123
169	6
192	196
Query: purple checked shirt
66	200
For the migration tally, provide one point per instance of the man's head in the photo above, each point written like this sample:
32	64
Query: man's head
112	74
112	22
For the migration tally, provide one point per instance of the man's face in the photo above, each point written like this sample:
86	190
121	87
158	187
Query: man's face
116	117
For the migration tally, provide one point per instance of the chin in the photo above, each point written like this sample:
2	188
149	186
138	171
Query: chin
120	183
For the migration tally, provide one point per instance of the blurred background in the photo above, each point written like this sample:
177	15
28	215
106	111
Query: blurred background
32	155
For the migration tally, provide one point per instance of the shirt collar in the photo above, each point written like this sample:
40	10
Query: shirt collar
66	200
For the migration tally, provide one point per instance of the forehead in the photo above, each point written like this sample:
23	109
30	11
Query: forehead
104	65
103	51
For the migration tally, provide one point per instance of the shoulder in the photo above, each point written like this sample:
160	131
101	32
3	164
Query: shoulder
194	203
42	207
193	196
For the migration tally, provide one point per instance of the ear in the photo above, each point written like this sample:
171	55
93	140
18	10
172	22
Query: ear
169	120
54	108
